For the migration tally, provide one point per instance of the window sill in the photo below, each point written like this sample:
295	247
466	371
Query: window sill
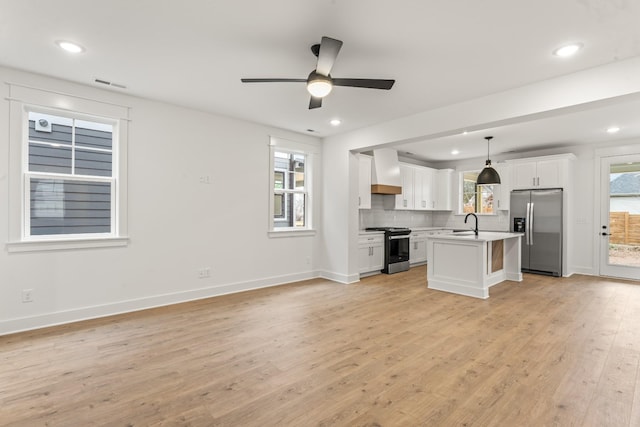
291	233
59	245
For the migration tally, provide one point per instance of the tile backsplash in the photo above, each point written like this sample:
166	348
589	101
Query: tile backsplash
377	216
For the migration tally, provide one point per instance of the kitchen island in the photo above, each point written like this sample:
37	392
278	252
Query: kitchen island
469	264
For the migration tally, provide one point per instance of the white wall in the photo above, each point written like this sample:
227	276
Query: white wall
176	224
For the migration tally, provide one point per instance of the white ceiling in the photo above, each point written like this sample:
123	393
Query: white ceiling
440	52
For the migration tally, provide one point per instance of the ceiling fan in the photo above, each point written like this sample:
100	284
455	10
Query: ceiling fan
319	83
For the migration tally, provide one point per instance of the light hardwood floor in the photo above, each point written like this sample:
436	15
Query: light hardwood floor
384	352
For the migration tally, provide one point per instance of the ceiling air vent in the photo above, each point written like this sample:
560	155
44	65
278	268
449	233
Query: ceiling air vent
108	83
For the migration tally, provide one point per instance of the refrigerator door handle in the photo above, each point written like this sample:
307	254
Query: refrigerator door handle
531	225
526	225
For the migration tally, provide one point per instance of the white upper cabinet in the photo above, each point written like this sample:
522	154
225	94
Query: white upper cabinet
444	190
502	191
540	172
424	188
550	173
405	200
364	181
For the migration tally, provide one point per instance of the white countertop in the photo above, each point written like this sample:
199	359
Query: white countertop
428	228
363	231
370	233
483	236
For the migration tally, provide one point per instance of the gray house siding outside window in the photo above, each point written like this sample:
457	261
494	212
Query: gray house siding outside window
60	154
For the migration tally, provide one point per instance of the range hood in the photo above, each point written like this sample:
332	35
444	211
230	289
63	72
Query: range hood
385	173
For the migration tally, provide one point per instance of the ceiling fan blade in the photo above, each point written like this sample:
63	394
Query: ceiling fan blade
366	83
273	80
315	102
329	49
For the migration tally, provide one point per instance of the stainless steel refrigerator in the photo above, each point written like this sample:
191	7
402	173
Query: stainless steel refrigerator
538	214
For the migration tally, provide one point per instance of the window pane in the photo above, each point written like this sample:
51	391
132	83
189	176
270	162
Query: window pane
278	206
69	207
94	135
294	165
49	157
476	198
278	180
486	192
469	192
289	210
52	142
90	162
51	129
298	209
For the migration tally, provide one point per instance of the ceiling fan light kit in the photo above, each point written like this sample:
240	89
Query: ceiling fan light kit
489	175
319	82
319	85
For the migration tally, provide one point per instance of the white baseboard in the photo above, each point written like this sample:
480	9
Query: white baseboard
340	278
587	271
85	313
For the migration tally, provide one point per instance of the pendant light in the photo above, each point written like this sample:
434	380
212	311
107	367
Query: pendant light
488	175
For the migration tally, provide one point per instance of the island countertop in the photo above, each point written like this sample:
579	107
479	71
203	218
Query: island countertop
483	236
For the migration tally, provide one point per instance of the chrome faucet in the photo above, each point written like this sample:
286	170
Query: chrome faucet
475	230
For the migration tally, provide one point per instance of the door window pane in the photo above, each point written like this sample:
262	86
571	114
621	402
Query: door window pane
624	214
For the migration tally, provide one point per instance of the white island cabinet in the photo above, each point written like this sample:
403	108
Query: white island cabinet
469	265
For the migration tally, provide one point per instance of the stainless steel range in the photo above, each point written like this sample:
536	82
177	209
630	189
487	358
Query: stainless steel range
396	248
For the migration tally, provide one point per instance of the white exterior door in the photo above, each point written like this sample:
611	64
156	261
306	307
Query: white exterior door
619	231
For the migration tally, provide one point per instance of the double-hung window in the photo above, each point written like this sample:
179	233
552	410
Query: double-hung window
69	177
290	183
67	171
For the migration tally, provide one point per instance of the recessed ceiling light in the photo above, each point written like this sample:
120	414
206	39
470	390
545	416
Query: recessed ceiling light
455	152
613	129
335	122
465	132
70	46
567	50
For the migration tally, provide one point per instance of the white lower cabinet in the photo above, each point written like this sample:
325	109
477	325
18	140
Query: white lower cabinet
418	247
370	253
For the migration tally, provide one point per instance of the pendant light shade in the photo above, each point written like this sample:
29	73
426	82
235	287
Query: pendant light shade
488	175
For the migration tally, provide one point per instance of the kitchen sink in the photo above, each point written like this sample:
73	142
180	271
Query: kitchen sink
463	232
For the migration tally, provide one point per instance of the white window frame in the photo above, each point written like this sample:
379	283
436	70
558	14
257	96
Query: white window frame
291	147
25	99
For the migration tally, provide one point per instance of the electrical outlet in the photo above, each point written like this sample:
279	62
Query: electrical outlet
203	273
27	295
205	179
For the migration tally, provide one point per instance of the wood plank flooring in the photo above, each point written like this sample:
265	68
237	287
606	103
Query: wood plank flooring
383	352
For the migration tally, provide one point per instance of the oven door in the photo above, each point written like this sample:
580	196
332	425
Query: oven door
398	249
